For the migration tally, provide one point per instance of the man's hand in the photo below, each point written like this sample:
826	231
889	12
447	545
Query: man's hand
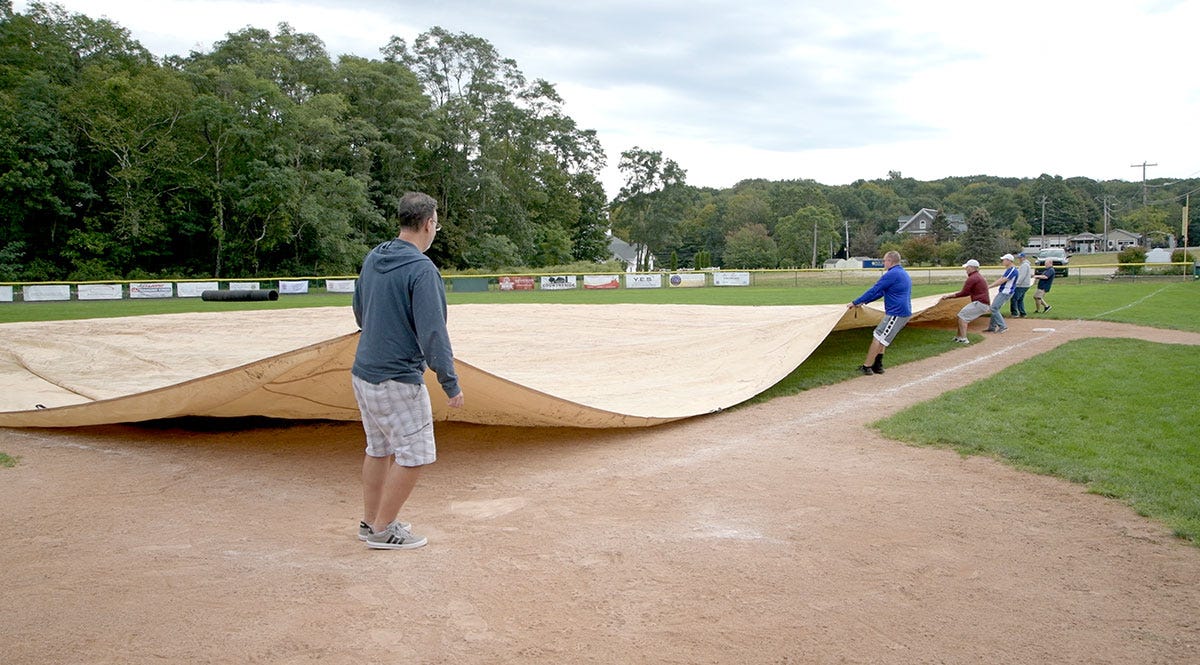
456	402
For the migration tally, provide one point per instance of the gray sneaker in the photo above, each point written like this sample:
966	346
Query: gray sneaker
962	340
364	529
395	537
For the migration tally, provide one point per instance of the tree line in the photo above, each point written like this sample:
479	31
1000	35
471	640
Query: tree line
265	156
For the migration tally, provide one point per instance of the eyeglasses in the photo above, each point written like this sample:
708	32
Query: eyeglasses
437	226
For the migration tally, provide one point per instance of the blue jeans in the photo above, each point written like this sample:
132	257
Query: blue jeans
1016	306
997	322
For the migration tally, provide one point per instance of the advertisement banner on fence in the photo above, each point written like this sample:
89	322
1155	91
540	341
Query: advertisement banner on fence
601	282
98	291
731	279
6	293
151	290
687	279
243	286
558	282
514	283
46	292
296	286
194	289
633	281
339	285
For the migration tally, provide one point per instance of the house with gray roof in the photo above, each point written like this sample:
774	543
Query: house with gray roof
921	223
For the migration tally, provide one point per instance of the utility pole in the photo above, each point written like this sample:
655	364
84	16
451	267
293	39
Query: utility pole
1143	166
1043	222
847	223
1105	248
814	256
1187	203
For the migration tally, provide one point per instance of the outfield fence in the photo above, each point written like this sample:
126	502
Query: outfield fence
12	292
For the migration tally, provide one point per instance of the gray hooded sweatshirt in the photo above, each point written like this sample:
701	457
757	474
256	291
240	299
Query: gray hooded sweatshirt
400	305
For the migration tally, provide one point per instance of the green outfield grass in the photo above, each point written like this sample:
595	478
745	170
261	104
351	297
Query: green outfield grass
1116	415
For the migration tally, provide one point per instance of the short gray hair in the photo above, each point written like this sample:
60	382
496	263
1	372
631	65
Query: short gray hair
414	209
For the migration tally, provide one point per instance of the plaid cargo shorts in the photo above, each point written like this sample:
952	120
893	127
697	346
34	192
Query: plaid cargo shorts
398	420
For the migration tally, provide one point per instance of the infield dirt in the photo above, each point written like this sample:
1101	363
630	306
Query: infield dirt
786	532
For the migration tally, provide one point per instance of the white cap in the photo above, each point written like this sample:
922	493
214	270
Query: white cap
1007	257
971	264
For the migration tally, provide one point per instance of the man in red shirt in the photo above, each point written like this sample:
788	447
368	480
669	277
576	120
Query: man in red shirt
976	287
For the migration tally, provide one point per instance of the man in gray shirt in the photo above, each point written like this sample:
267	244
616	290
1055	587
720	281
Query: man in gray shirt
1016	306
400	305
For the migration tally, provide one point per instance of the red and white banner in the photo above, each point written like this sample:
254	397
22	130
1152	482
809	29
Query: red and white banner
513	283
601	282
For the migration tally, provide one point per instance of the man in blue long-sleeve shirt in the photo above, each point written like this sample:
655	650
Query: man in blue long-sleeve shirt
895	287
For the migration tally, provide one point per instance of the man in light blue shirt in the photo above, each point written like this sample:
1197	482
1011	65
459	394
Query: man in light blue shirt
1008	284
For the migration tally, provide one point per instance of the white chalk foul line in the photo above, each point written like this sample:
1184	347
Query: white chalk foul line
1132	304
810	417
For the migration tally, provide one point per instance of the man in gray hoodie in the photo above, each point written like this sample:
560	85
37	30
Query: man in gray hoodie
400	305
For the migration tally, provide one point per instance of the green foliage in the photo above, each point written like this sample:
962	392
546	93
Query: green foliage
702	259
919	250
941	228
751	247
264	156
1132	255
982	239
864	241
7	461
797	244
1097	385
11	256
947	253
492	252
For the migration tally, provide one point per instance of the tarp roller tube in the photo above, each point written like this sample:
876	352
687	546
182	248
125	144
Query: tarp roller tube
240	295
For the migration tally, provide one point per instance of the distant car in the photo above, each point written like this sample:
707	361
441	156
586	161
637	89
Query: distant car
1055	254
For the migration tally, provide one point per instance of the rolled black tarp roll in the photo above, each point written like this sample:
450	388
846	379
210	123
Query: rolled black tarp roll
240	296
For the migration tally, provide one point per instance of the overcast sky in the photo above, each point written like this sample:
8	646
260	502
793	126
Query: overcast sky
831	90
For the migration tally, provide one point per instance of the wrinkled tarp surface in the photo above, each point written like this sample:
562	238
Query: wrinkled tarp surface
519	364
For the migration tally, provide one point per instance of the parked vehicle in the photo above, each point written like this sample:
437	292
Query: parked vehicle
1055	254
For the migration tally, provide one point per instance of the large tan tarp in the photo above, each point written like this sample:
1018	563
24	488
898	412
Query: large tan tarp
535	365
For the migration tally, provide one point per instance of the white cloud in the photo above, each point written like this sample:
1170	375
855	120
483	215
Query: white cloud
832	90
